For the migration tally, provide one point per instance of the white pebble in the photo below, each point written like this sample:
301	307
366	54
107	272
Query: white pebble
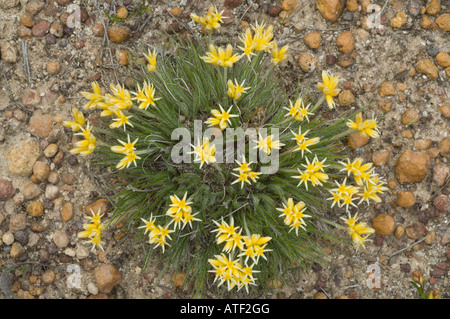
8	238
92	288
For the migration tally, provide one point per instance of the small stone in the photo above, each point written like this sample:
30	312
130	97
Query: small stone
51	192
378	241
442	203
387	89
407	134
416	230
380	158
122	13
331	10
440	174
57	29
48	277
313	39
411	116
53	177
60	239
33	239
41	170
51	150
24	32
72	160
422	144
383	224
443	22
414	7
427	67
27	20
307	62
92	288
40	124
17	222
357	140
231	4
399	231
119	34
412	167
122	57
345	42
40	29
447	253
8	238
432	50
178	279
21	236
53	67
274	11
34	7
445	110
101	205
8	52
17	250
346	98
7	189
320	295
31	191
423	216
98	30
406	268
399	20
444	146
107	277
352	5
82	252
31	98
426	23
35	209
406	199
289	5
330	59
433	7
2	218
431	236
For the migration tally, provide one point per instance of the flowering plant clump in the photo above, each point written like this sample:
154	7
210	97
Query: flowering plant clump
221	170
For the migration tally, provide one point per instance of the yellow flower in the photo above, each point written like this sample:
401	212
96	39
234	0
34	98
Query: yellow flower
298	110
228	234
249	45
151	59
146	96
313	173
122	97
366	128
221	57
121	120
266	144
356	230
221	118
328	87
302	142
94	230
126	148
204	152
361	173
86	146
293	215
94	98
278	55
255	247
78	122
262	37
245	173
127	160
180	211
343	194
159	236
149	224
211	21
235	90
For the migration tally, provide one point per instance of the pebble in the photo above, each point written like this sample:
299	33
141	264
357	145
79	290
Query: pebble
178	279
414	7
430	238
122	13
330	59
432	50
122	57
399	231
41	170
8	52
423	216
67	211
378	241
313	39
40	29
422	144
98	30
24	32
440	174
17	222
446	237
399	20
447	253
60	239
8	238
35	209
2	218
67	178
82	252
412	167
51	192
40	124
380	158
331	10
119	34
48	277
433	7
51	150
383	224
27	20
31	191
307	62
57	29
357	140
426	23
406	199
101	205
410	116
443	59
34	7
17	250
107	276
7	189
346	98
387	89
72	160
444	146
33	239
427	67
274	10
31	98
231	4
92	288
416	231
442	203
406	268
53	67
21	236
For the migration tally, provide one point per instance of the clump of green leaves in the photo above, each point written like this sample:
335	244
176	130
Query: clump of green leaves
419	283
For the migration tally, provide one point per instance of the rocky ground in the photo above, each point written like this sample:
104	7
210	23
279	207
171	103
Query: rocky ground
401	66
